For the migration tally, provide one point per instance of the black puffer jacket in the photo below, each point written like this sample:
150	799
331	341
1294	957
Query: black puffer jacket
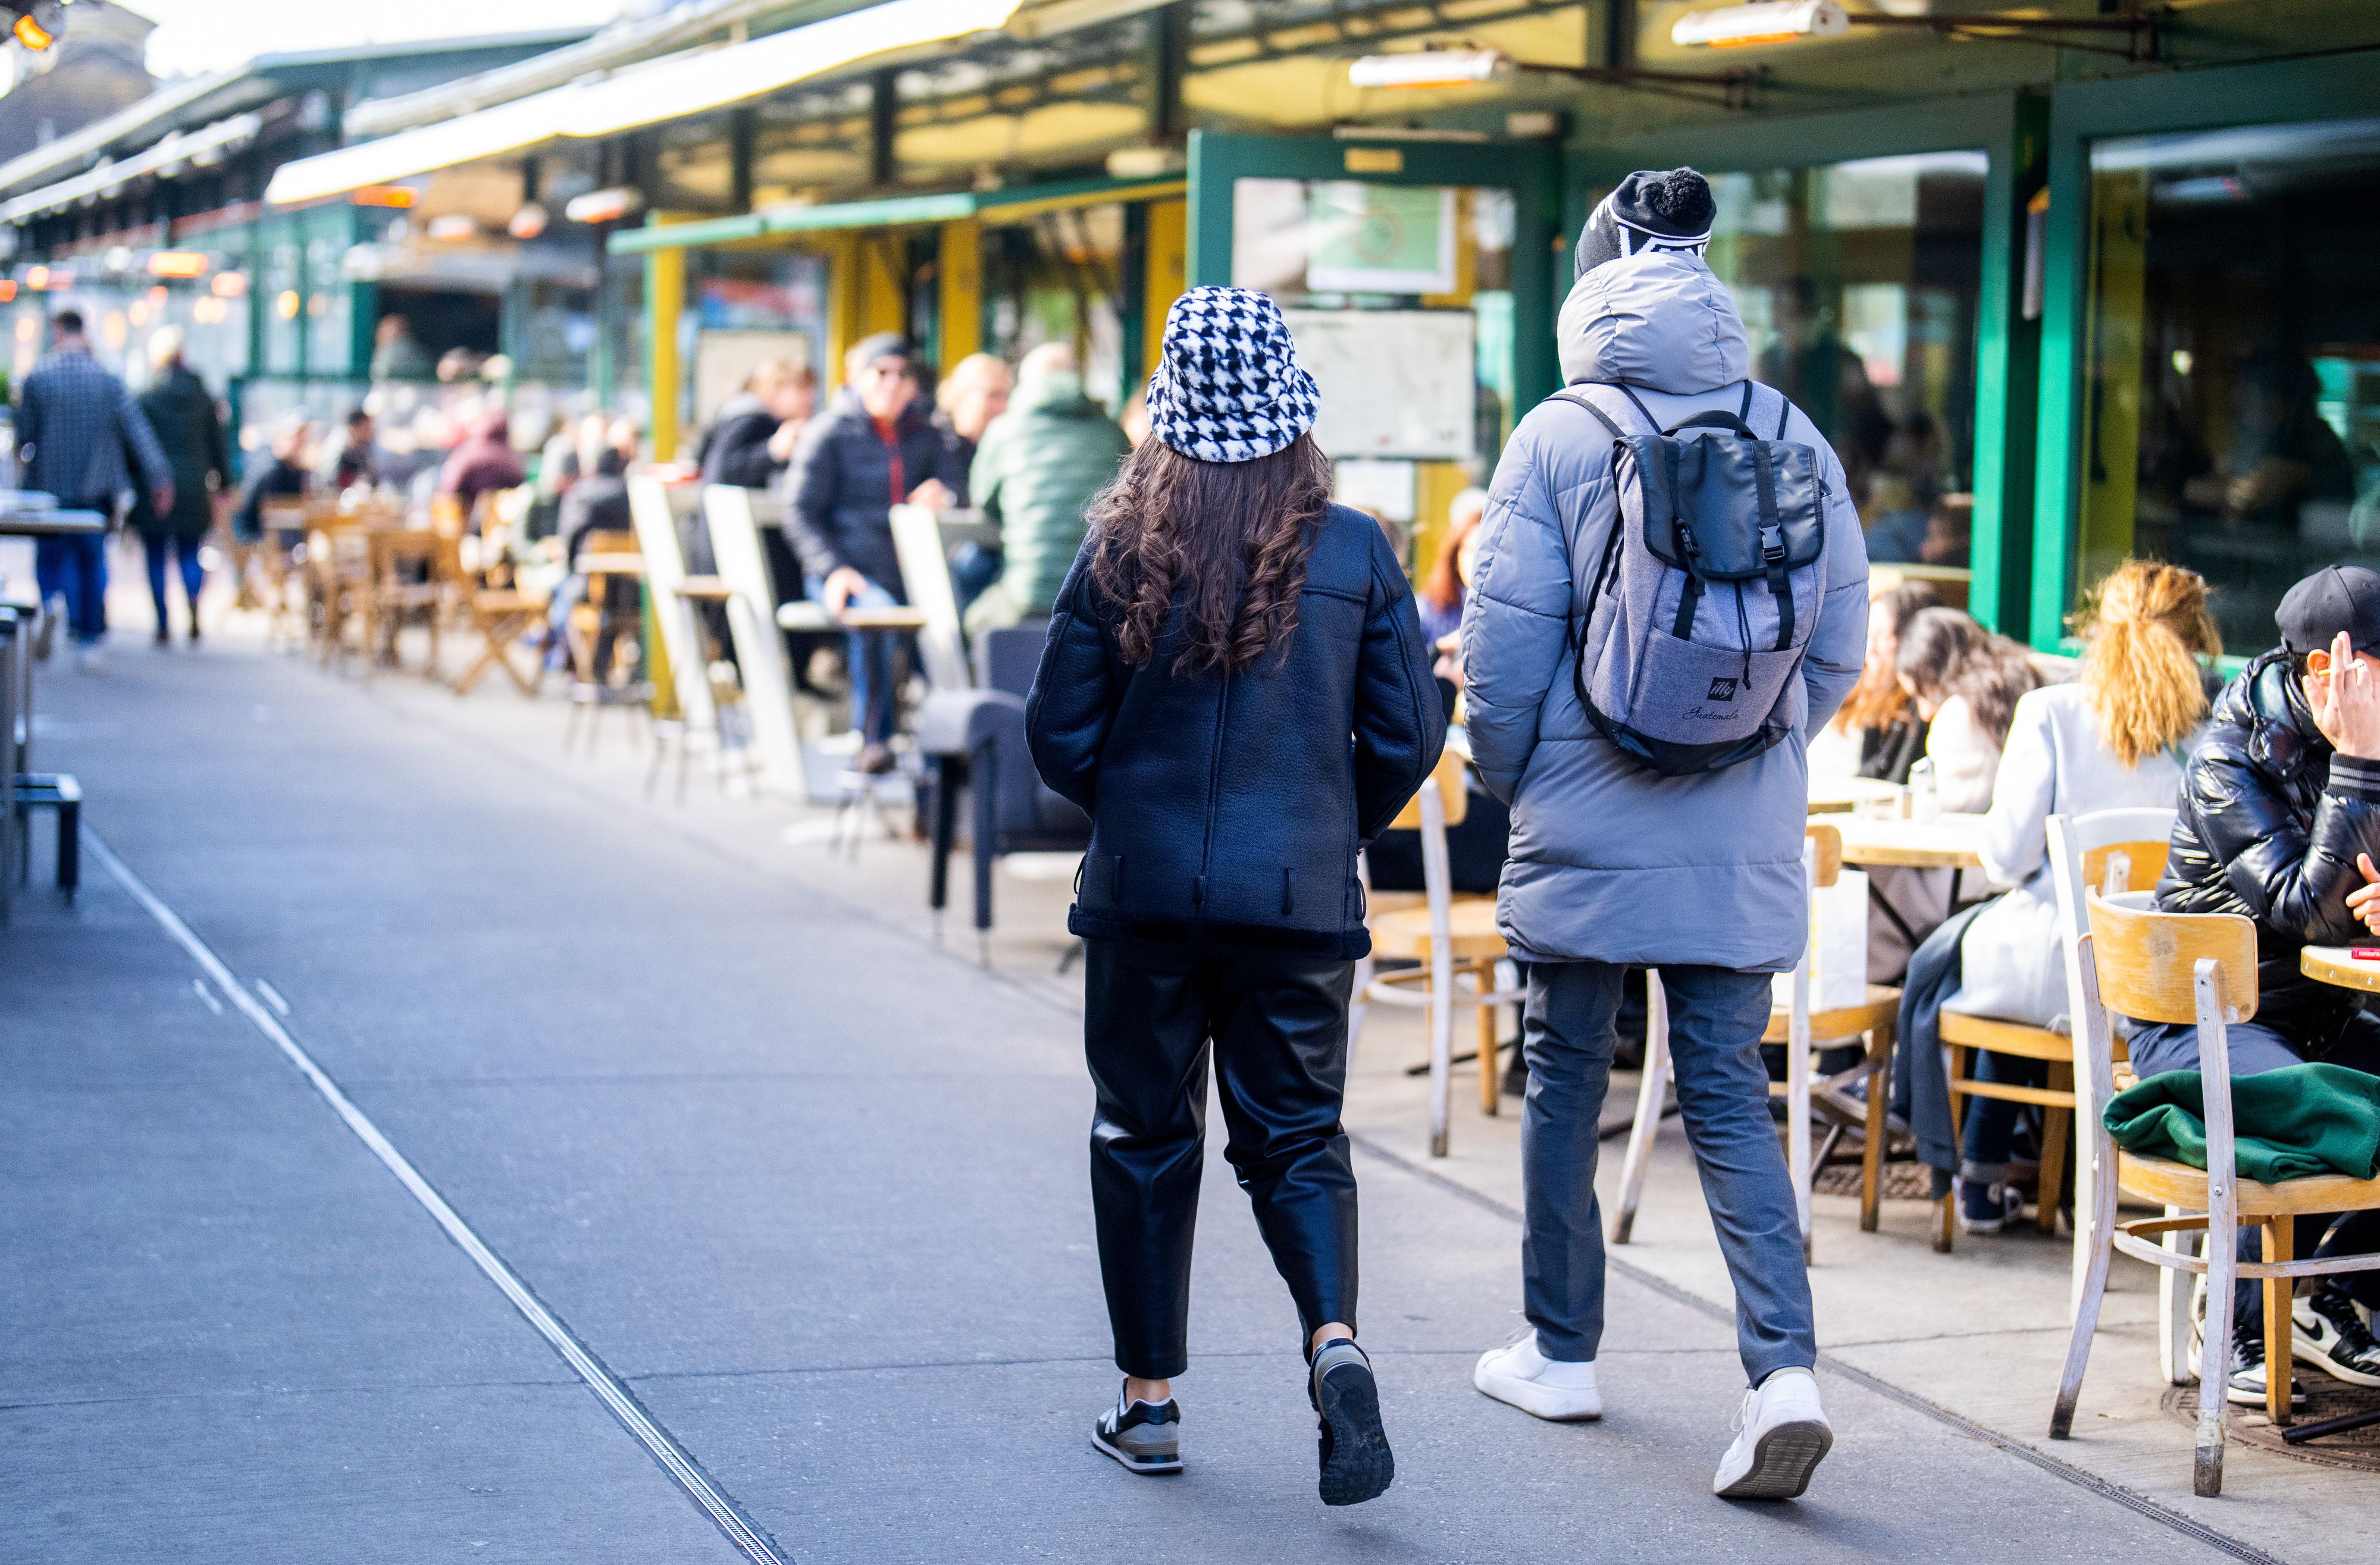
840	491
1230	810
2271	822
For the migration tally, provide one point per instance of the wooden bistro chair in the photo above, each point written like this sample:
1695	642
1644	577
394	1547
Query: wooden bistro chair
277	556
2131	842
499	616
1453	938
604	558
407	577
2191	968
338	584
1800	1029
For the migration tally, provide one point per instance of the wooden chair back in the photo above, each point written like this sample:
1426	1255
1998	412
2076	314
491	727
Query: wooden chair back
2125	867
2145	961
1454	794
1826	861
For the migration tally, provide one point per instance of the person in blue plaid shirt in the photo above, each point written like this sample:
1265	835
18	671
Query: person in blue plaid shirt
76	424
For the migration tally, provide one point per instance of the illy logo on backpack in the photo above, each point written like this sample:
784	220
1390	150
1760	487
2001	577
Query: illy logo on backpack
1700	609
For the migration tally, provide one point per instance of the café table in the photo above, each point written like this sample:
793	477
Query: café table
24	513
2332	964
1949	841
1842	796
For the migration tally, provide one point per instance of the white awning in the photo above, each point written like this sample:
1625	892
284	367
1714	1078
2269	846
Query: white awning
670	88
202	146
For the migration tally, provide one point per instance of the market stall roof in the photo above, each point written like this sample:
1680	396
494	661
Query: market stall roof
205	146
676	85
891	212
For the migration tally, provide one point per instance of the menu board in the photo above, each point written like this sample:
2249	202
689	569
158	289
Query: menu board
1394	382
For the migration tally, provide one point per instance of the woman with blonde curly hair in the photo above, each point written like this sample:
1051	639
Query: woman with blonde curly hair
2115	737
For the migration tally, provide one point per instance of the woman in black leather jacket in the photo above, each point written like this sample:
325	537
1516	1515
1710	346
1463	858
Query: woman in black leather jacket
1236	689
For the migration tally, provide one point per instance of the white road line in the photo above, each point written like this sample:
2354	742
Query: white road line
199	986
272	997
665	1450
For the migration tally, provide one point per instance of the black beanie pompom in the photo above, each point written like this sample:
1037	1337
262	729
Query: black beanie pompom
1682	197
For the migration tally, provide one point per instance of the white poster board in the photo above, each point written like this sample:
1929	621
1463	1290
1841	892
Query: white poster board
1394	382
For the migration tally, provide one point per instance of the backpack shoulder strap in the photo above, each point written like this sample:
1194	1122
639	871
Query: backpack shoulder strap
1577	394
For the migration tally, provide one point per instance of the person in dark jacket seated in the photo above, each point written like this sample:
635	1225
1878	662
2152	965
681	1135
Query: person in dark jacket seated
757	427
1236	689
598	503
874	447
2280	818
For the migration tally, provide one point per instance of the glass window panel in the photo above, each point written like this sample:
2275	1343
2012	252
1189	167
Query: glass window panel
1057	277
2233	412
1858	283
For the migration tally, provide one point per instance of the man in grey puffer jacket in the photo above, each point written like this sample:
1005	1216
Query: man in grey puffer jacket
1614	866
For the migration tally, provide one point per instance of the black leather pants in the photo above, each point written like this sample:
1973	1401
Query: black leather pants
1278	1026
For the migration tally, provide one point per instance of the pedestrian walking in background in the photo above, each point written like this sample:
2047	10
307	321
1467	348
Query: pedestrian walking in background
1036	469
74	425
351	456
1222	634
873	448
1615	864
183	417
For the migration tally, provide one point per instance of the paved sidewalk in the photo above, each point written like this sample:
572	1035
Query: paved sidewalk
810	1188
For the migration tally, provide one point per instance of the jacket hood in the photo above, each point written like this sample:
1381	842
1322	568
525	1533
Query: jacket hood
1659	319
1060	390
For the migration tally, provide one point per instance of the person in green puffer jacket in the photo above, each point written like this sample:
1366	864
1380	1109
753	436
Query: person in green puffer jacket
1038	465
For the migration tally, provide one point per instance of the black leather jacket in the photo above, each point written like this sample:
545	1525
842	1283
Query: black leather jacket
840	494
2271	822
1230	810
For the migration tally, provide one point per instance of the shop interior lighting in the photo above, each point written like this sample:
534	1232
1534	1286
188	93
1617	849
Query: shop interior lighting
1468	67
689	82
394	196
178	263
603	206
529	221
1788	21
228	285
452	228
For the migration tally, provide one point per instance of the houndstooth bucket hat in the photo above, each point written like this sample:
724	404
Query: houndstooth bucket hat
1228	386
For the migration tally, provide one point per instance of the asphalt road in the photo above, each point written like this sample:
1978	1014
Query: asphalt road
812	1191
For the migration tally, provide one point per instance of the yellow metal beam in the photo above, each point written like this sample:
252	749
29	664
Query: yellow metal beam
961	276
664	306
1166	275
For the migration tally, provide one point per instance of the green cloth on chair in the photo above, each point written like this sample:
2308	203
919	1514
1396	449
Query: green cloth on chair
2290	1124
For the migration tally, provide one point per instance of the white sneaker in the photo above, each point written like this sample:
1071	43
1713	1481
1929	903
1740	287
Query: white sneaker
1781	1435
1548	1388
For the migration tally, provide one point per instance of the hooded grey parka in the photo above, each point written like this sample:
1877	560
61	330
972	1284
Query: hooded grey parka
1610	861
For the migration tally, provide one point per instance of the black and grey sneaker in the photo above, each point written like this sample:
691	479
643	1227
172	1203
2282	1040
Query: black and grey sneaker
1144	1437
1987	1208
2332	1336
1357	1464
2247	1387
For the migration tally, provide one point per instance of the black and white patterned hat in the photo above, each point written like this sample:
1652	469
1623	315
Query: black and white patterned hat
1228	386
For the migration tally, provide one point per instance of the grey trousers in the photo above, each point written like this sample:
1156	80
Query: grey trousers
1715	1020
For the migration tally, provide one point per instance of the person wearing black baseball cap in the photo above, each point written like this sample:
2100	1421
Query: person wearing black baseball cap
2279	823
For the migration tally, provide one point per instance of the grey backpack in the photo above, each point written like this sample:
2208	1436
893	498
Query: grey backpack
1701	607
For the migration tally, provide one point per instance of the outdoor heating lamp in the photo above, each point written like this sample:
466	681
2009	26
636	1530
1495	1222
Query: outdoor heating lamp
38	22
1788	21
1431	67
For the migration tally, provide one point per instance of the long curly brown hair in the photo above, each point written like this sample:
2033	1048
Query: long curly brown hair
1233	536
